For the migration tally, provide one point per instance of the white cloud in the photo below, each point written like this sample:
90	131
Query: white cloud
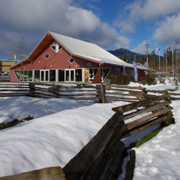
60	16
156	8
129	15
169	30
141	48
16	43
145	10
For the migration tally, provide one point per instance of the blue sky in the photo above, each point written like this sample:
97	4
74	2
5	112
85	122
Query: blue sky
111	24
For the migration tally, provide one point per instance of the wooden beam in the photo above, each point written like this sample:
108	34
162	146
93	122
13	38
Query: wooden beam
144	119
143	103
149	109
77	166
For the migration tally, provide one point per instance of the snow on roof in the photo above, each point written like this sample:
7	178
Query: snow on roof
87	50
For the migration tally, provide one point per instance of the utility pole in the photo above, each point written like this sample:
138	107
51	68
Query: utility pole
173	65
166	63
21	59
177	51
147	45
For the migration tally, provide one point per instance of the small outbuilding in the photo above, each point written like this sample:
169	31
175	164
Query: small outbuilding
59	58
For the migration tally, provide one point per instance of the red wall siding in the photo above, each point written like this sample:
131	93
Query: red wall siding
141	75
13	77
58	60
81	63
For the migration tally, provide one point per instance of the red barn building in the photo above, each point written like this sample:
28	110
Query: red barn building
58	58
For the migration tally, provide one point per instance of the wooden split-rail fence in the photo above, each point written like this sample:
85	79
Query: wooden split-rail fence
102	157
81	92
14	89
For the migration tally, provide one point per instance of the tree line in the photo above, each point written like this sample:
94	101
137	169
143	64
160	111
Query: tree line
170	57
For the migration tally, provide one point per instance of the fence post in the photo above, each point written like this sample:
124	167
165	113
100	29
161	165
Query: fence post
55	90
102	93
31	89
170	120
144	91
130	165
108	83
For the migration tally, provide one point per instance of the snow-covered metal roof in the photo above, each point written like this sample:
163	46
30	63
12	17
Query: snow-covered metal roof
87	50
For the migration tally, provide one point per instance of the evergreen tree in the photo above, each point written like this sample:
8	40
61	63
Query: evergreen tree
153	62
125	58
142	60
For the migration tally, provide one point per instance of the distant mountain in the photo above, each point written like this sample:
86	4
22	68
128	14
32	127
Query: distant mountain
121	52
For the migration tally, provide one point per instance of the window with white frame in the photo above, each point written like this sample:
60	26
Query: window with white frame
47	56
55	46
71	60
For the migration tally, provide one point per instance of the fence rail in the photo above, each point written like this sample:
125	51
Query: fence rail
100	158
82	92
14	89
124	93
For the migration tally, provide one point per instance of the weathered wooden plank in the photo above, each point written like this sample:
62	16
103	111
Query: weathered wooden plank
123	90
125	100
115	93
174	94
41	89
78	90
149	109
117	159
146	125
175	98
52	173
107	164
92	151
14	87
42	94
128	87
143	103
85	98
78	87
130	165
78	94
118	97
157	91
42	84
144	119
102	93
13	90
13	94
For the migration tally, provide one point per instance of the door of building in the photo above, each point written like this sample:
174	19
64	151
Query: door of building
44	75
69	75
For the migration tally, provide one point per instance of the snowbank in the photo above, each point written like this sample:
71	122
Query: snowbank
51	140
160	157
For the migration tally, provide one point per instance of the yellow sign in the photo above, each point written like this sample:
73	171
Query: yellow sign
14	56
86	73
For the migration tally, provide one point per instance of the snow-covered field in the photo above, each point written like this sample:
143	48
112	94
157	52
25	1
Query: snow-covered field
61	127
159	159
64	127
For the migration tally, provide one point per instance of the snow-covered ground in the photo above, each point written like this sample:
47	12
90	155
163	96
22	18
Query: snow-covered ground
62	127
159	159
50	140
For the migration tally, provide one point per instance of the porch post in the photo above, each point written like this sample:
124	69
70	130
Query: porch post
124	70
57	77
33	75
